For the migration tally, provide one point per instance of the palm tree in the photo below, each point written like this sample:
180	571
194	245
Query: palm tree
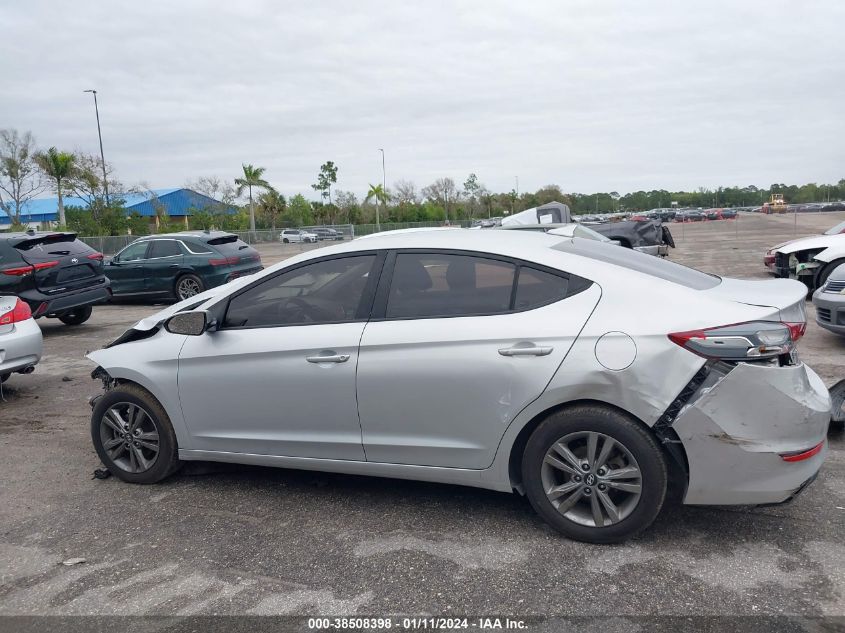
58	166
379	193
252	178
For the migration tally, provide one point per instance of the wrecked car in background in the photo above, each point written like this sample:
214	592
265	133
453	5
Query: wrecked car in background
808	259
647	236
373	346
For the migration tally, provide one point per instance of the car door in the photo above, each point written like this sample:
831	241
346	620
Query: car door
459	344
278	376
164	260
126	269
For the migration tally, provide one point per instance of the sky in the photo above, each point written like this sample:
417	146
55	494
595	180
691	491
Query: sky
589	95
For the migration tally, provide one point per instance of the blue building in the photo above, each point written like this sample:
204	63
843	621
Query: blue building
175	203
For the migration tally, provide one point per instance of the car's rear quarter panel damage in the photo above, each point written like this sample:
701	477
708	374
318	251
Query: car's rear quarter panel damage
734	431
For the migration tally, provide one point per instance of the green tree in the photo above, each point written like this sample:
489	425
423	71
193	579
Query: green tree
298	211
271	205
380	195
471	189
18	175
58	166
253	177
325	179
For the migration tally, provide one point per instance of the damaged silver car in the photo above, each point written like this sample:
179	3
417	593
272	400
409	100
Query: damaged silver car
514	362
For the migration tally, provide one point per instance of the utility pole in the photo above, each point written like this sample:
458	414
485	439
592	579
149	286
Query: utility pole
383	186
100	136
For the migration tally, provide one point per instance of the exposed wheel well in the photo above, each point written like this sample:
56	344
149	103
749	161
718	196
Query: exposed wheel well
677	472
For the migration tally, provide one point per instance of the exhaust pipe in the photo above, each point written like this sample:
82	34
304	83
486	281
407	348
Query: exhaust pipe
27	370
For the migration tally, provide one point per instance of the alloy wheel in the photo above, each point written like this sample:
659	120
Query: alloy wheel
188	288
591	479
130	437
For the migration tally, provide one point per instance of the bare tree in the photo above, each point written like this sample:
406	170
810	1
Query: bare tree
213	187
86	180
405	192
443	192
20	181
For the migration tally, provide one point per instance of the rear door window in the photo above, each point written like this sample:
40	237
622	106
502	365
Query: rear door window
442	285
537	288
164	248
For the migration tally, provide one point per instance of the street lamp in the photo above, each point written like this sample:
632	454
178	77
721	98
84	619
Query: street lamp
102	156
383	186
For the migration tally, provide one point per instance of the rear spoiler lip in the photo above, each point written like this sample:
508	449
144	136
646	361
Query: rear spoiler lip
32	240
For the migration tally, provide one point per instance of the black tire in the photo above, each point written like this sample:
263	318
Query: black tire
638	443
4	377
77	316
825	272
286	241
187	281
167	459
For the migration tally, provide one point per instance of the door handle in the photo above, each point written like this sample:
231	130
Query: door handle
336	358
526	351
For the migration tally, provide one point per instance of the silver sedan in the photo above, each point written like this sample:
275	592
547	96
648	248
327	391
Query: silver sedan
578	373
20	338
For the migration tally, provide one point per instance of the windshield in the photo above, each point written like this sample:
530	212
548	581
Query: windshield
640	262
836	230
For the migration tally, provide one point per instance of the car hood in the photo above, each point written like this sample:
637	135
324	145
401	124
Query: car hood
786	296
814	241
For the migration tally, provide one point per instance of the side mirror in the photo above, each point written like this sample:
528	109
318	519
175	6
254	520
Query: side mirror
188	323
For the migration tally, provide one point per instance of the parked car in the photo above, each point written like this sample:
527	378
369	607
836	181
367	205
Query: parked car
359	358
20	338
690	215
647	236
325	233
293	236
829	299
180	265
57	275
713	214
810	259
729	214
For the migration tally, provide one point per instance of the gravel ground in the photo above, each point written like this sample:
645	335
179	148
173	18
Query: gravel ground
238	540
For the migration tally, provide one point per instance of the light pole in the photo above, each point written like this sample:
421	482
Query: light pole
102	156
383	187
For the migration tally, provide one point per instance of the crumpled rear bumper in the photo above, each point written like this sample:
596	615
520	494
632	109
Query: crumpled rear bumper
735	431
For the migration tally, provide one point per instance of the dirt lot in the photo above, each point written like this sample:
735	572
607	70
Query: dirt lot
265	541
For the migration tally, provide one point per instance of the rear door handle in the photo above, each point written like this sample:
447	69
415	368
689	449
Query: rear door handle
336	358
526	351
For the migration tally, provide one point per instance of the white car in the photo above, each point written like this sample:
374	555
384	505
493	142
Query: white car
20	338
293	236
809	259
497	359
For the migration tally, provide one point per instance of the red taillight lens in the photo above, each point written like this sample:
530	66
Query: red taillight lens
18	272
796	330
20	312
228	261
44	265
802	455
97	256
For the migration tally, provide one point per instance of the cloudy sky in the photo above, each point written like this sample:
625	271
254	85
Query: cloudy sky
593	96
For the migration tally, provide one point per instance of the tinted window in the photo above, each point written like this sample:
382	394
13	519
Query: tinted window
647	264
132	252
427	285
164	248
324	292
536	288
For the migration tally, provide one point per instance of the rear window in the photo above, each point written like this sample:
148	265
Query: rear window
226	239
233	245
53	245
640	262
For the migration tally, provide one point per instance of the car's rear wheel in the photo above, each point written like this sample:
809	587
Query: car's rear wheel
77	316
286	241
133	436
594	474
188	286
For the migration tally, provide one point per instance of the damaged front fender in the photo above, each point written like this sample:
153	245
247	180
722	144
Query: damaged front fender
735	429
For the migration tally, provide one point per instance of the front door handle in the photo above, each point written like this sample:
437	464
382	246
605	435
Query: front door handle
336	358
526	351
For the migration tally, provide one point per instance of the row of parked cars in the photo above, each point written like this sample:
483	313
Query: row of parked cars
819	262
312	235
56	275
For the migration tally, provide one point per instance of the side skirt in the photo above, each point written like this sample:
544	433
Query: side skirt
435	474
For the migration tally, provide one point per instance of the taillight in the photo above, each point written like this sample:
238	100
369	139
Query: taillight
19	271
20	312
97	256
44	265
228	261
755	340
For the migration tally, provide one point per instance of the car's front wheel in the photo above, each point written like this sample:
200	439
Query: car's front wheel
594	474
133	436
77	316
